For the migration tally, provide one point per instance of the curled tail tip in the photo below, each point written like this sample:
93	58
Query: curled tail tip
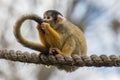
68	68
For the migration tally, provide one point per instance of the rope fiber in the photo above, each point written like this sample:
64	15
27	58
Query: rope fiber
75	60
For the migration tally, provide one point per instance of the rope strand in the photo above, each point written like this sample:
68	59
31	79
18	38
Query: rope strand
75	60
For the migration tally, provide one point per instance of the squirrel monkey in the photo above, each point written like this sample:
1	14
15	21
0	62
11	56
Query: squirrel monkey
57	34
64	37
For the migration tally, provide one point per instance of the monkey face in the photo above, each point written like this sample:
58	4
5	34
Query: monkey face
51	17
47	18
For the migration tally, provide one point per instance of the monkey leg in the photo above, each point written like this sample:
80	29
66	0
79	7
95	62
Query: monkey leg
67	49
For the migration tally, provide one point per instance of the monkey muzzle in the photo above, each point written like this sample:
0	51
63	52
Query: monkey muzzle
45	20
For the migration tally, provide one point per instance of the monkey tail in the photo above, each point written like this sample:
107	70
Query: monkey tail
21	39
67	68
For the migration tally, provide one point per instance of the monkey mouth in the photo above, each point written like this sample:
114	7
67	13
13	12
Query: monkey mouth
46	21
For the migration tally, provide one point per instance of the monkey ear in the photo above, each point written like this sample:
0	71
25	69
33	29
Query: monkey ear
60	19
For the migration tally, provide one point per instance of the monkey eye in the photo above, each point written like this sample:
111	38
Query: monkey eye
48	17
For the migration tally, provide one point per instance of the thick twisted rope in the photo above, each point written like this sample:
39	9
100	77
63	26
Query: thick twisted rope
74	60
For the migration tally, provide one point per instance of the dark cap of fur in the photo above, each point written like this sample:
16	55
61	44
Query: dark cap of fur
53	13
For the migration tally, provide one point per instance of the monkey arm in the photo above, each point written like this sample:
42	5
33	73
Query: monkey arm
52	37
21	39
41	34
50	31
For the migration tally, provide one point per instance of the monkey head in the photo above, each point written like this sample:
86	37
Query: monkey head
53	17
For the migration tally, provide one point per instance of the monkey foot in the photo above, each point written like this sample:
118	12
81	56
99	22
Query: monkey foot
53	51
